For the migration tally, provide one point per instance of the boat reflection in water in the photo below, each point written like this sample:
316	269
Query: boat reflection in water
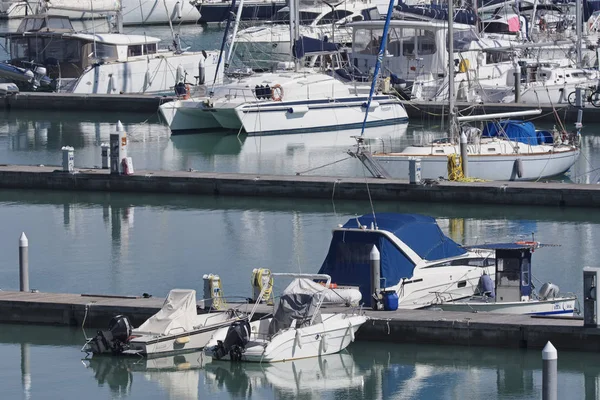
366	370
178	375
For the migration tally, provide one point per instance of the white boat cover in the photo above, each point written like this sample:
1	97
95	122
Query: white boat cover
308	286
95	6
177	314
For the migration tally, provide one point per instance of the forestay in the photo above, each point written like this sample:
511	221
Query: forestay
177	314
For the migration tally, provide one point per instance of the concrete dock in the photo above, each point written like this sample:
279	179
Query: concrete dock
286	186
402	326
416	110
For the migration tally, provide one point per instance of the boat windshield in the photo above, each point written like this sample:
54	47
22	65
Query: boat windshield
401	41
334	16
46	50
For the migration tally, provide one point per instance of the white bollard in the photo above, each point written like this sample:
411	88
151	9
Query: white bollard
464	154
549	372
375	258
414	170
24	263
68	160
114	154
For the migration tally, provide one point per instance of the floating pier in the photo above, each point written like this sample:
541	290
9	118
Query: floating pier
401	326
417	110
289	186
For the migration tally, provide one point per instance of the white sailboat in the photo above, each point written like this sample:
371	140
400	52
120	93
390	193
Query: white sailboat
298	329
513	291
502	151
293	100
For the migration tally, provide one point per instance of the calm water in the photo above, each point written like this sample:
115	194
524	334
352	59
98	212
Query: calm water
46	362
130	244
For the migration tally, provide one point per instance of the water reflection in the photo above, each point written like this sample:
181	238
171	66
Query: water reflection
178	375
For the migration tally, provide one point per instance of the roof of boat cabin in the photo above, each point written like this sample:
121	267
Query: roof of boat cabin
420	232
116	38
508	246
401	23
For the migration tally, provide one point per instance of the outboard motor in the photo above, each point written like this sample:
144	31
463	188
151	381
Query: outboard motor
548	291
235	341
114	340
180	89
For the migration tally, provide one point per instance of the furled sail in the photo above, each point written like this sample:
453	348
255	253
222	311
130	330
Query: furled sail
96	6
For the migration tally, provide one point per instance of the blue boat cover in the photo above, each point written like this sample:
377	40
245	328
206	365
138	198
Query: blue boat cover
306	46
348	261
521	131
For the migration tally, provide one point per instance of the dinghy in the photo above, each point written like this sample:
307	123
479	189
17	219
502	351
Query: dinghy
296	330
175	328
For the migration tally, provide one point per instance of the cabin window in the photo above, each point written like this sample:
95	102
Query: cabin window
508	270
306	17
525	276
150	48
371	14
59	23
333	16
105	52
135	50
353	253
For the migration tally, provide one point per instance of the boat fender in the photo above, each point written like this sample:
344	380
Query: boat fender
147	80
351	331
182	340
324	343
179	75
177	10
519	167
298	339
277	92
201	72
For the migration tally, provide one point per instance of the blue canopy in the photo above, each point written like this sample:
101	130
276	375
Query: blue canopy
520	131
348	261
306	46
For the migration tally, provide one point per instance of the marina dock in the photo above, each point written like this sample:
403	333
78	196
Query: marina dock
287	186
401	326
416	110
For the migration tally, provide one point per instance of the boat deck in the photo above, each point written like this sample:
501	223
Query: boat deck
401	326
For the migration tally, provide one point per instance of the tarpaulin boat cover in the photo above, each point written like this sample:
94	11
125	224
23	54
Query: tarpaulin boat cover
297	302
520	131
348	261
177	314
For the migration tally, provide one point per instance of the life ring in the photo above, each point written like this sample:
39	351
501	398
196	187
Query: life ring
274	95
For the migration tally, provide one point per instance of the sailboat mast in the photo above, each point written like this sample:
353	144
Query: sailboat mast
451	104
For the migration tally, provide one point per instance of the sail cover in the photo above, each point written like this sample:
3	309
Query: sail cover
177	314
348	259
520	131
96	6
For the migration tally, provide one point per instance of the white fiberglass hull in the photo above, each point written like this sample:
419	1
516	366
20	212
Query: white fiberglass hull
563	307
135	12
298	116
157	75
159	345
331	336
488	167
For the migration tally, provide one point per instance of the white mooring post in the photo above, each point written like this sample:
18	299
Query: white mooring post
549	372
375	258
105	153
23	263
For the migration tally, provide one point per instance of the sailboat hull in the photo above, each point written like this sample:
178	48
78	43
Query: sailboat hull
488	167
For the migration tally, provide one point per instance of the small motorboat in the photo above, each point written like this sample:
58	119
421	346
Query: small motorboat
177	327
513	292
296	330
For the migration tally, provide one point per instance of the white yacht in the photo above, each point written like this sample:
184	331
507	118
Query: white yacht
298	329
418	262
46	53
268	43
135	12
283	102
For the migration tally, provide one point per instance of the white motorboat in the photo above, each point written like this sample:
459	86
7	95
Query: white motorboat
283	102
417	259
176	328
47	54
268	43
135	12
513	290
298	328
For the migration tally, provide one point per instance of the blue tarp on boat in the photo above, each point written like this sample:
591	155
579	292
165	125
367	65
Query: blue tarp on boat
348	261
521	131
